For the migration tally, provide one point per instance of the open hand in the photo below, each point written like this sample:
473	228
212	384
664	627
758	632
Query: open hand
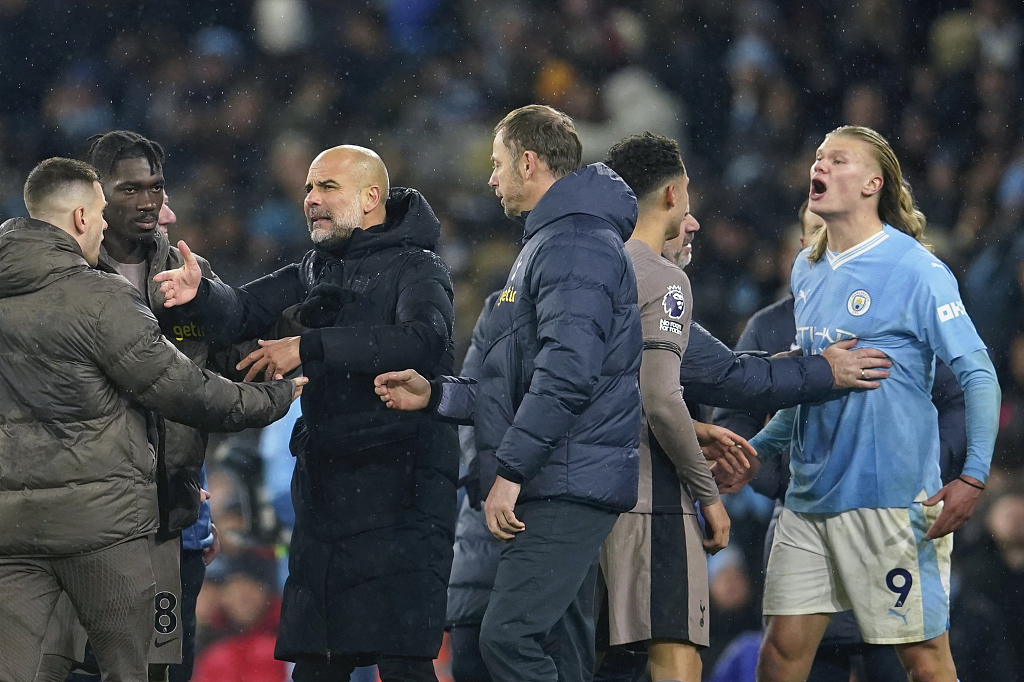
405	390
861	368
272	358
180	286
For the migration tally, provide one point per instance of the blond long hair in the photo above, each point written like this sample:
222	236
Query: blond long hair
896	203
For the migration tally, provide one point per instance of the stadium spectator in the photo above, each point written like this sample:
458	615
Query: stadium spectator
251	611
994	576
372	545
87	376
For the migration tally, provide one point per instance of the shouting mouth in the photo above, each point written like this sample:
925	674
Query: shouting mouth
818	189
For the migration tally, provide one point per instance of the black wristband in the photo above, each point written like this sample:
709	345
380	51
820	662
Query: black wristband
973	485
436	391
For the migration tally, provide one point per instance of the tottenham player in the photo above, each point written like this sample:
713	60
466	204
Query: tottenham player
863	527
653	560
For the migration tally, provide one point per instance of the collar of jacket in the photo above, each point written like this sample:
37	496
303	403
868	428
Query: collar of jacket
34	254
410	222
594	190
157	251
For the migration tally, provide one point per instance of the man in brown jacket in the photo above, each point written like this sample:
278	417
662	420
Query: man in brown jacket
82	363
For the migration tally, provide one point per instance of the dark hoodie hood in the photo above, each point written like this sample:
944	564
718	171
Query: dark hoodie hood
594	190
34	254
410	222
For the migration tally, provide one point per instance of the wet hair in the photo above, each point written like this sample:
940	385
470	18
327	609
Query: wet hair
896	202
645	162
547	132
52	176
108	149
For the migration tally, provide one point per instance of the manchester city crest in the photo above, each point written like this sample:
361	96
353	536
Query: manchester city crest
859	303
674	303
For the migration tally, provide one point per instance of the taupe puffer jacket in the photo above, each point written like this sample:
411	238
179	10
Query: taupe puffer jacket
81	359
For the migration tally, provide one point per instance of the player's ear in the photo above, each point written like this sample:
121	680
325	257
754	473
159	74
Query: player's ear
670	196
528	163
78	218
873	186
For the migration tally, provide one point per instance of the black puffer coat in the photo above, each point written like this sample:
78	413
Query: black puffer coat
373	489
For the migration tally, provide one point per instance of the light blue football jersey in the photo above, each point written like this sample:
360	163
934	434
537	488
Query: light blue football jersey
879	448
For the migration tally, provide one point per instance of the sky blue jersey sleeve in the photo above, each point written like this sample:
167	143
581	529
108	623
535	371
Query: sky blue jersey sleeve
978	380
943	323
941	320
771	441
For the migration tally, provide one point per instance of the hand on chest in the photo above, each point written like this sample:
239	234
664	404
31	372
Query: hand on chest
835	310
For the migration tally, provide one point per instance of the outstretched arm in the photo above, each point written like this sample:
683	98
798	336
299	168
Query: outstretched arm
149	369
228	314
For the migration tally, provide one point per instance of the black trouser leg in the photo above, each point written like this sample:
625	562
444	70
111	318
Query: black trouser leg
319	669
542	602
390	669
467	663
403	669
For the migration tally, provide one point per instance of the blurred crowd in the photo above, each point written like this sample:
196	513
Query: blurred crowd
244	94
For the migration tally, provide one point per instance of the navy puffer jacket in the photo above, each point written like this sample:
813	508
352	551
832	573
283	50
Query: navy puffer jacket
558	402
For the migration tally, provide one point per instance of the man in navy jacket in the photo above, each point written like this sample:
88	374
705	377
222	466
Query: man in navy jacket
556	404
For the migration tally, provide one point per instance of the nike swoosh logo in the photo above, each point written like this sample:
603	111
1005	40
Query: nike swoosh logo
159	644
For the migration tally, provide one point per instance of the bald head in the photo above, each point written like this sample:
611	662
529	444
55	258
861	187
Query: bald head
347	188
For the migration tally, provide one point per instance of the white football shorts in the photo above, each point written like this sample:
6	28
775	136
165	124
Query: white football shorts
872	561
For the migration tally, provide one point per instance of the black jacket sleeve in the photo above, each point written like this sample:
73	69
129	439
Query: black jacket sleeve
232	315
424	321
949	401
713	375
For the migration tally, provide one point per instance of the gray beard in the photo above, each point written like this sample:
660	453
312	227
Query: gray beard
336	236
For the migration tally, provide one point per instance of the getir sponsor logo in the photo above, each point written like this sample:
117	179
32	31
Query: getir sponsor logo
951	310
189	331
507	296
